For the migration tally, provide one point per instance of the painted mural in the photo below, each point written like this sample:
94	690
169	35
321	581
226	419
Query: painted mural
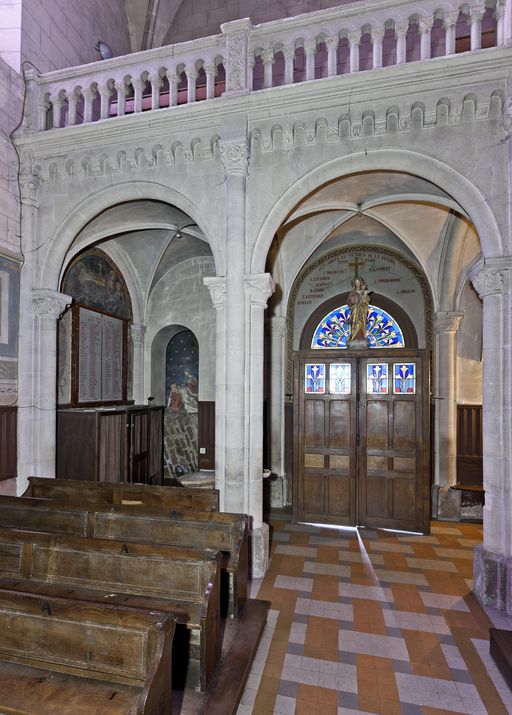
181	415
9	311
94	280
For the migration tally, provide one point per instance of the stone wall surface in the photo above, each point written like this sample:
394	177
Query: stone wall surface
63	33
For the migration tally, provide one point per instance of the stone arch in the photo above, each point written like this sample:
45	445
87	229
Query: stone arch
102	199
446	177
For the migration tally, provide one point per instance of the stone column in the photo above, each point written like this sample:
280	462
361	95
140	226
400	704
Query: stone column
235	159
377	39
401	29
354	40
217	288
475	20
277	367
493	559
332	55
236	35
289	58
446	324
37	440
268	58
258	288
450	24
425	28
138	335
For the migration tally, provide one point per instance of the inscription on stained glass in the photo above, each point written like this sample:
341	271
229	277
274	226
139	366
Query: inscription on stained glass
315	378
339	378
377	378
404	378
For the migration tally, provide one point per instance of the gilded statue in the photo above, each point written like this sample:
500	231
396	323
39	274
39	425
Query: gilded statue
358	301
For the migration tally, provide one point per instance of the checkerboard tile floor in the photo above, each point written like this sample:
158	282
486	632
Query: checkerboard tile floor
373	621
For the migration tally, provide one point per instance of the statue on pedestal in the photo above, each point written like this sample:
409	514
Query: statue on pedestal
358	301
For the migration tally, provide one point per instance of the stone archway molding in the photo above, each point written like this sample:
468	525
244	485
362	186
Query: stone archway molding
463	191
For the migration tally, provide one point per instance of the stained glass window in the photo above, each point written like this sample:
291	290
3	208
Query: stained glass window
315	378
339	378
333	331
404	378
377	378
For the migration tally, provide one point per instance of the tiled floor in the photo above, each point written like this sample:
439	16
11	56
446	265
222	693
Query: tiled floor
373	621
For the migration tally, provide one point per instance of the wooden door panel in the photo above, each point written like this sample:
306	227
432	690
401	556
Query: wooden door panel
340	424
404	424
404	500
314	423
378	497
377	424
313	494
339	496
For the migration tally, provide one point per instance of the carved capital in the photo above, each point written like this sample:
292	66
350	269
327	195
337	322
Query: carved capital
354	38
259	287
378	34
332	43
450	19
268	56
49	303
89	93
477	13
506	118
138	333
105	89
120	87
310	47
217	287
191	72
155	79
237	40
235	156
500	11
30	186
447	321
210	68
138	83
289	52
491	278
173	77
401	27
425	24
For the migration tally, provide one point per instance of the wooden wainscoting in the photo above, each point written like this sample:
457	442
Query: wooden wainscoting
469	445
206	435
8	439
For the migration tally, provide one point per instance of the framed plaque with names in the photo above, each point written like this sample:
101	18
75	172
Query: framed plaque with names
99	358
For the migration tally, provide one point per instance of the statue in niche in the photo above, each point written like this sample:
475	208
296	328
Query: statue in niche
358	301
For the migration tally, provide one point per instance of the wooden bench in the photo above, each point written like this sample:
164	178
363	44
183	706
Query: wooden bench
63	657
105	494
227	533
182	581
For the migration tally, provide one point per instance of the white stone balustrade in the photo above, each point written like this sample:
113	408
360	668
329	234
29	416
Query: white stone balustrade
245	58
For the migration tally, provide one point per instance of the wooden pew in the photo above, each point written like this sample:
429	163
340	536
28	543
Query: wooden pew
181	581
227	533
65	657
105	494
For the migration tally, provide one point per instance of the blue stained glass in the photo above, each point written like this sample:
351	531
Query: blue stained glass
339	378
377	376
404	378
315	378
333	331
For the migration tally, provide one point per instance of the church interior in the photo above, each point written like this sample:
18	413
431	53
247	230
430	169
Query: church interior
256	357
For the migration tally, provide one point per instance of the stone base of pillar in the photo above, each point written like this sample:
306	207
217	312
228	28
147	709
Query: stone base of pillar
278	491
492	579
447	507
260	551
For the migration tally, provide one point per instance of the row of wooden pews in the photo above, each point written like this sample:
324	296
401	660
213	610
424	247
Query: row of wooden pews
122	550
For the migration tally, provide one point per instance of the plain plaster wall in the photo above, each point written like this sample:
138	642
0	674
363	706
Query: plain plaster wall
469	349
62	33
11	100
180	299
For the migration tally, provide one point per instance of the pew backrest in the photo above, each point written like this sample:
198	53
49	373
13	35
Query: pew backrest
104	494
106	643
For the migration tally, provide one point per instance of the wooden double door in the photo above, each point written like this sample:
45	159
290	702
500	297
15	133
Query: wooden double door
362	438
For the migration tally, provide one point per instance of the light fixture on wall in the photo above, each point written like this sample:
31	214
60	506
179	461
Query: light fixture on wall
177	234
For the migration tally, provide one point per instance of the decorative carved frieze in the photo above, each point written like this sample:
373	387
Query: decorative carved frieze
489	280
138	333
49	303
447	321
235	156
217	287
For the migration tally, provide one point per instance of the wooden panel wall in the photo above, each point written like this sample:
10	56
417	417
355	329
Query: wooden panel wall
469	445
8	439
206	435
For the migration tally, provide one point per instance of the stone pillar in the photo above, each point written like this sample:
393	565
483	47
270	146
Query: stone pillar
377	39
217	288
268	58
493	559
310	52
446	324
332	55
138	335
401	29
38	402
289	58
475	19
450	24
235	159
236	35
425	28
354	40
277	367
258	289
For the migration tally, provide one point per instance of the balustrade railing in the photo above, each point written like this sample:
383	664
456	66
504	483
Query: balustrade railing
353	38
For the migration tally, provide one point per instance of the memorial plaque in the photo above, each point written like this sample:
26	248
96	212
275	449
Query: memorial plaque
112	359
89	356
